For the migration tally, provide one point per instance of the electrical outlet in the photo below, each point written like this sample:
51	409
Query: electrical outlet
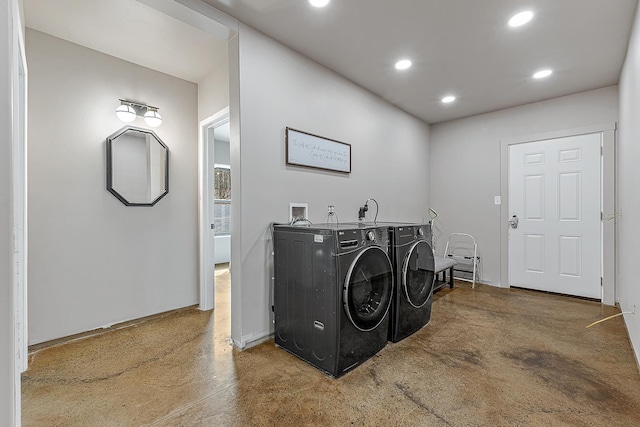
331	209
497	200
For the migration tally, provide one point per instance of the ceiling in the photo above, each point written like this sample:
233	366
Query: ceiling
133	31
459	47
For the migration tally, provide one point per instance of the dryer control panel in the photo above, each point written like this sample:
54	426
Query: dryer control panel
349	240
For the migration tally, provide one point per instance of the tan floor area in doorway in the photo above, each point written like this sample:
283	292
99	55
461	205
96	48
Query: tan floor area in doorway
489	357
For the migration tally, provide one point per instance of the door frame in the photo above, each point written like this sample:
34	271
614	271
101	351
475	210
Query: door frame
19	170
16	68
206	266
609	292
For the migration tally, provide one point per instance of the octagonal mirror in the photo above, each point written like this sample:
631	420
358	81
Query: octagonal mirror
137	166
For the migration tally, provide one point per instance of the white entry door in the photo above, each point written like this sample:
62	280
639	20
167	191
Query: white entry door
554	197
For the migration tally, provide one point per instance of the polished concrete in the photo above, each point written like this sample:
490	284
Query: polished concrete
489	357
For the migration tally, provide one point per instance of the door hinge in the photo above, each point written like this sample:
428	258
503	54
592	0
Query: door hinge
601	282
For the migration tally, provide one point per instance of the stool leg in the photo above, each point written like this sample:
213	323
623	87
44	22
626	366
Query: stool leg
451	278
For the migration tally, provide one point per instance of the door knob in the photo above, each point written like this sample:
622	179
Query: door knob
513	222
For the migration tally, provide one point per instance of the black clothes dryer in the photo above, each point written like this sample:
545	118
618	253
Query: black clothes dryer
332	293
413	264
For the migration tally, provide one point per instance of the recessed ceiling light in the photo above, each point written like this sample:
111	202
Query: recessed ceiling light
448	99
403	64
319	3
521	18
542	74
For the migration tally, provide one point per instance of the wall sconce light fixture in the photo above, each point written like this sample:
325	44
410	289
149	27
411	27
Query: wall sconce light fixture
125	112
129	110
152	117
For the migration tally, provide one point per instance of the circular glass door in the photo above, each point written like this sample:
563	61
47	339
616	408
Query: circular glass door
418	274
368	288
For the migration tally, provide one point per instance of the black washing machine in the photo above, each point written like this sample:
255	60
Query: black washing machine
332	293
413	264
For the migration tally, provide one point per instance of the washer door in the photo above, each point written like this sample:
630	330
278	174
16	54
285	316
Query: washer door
418	274
368	288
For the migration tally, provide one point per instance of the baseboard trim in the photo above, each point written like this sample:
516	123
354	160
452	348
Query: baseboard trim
252	341
104	329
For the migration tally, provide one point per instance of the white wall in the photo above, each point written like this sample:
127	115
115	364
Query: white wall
222	152
628	200
213	91
94	261
7	371
280	88
465	164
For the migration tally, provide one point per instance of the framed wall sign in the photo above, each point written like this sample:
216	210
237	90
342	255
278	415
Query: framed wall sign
313	151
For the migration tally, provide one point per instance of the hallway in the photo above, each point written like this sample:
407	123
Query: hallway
489	357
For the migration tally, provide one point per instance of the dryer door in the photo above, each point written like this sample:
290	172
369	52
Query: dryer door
368	288
418	274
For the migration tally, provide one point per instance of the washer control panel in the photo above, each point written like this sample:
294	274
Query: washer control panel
349	240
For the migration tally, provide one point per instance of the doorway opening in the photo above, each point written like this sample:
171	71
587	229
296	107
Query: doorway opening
211	85
215	204
183	36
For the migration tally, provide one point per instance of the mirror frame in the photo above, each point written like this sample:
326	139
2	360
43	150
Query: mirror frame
110	188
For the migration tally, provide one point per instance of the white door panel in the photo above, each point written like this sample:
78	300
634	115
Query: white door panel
570	196
554	190
570	256
534	197
534	253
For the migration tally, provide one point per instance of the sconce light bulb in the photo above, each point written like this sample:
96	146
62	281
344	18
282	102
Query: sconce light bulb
152	118
126	113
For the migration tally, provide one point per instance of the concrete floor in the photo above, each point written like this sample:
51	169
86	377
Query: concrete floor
489	357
